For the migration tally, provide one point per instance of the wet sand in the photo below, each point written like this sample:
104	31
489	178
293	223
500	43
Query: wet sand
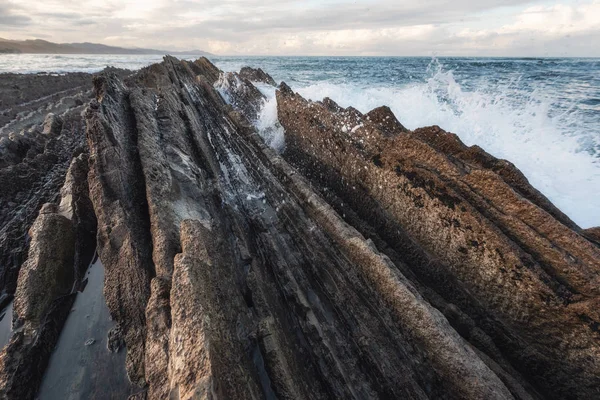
6	324
81	366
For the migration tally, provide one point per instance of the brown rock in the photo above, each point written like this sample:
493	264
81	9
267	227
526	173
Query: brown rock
118	194
48	272
247	289
473	231
593	234
365	262
385	119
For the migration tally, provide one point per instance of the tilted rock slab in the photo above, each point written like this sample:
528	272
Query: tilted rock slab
511	272
366	261
231	278
62	243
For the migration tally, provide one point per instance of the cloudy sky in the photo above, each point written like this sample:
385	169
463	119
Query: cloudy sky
311	27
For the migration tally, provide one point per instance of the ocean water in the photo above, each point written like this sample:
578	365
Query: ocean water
542	114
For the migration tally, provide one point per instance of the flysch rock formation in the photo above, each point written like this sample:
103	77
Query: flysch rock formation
513	274
364	261
41	130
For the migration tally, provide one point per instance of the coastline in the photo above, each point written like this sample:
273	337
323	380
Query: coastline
361	248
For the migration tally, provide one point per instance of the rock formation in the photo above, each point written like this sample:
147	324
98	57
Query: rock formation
365	261
511	272
257	75
41	131
61	239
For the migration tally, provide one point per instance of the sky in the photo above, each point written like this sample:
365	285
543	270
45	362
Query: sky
310	27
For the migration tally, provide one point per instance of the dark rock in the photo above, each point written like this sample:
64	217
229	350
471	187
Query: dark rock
30	182
592	234
24	359
385	119
241	94
52	125
117	191
257	75
231	297
365	262
33	165
327	102
61	238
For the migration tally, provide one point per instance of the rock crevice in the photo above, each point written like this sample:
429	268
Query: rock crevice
365	261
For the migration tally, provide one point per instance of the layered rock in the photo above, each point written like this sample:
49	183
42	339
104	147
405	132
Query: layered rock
366	261
270	278
61	237
23	94
27	185
512	273
41	130
257	75
241	94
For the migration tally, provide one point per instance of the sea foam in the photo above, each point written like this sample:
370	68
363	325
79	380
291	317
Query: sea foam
554	155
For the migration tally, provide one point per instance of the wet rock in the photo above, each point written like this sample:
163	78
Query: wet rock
257	75
76	205
52	125
42	303
118	196
24	359
60	241
451	145
48	272
327	102
385	119
472	232
33	91
241	94
592	234
366	261
33	165
238	241
77	369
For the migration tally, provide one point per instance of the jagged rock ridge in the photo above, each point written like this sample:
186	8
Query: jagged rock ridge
365	261
41	131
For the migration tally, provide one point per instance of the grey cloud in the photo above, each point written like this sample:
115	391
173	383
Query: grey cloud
241	20
261	26
10	17
14	20
85	22
379	14
61	15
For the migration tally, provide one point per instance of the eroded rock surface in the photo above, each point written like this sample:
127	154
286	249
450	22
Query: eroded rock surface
48	272
61	237
511	272
41	130
241	94
366	261
257	75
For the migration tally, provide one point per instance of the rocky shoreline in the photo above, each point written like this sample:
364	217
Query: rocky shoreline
363	261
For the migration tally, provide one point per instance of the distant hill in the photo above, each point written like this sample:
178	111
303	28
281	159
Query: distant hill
39	46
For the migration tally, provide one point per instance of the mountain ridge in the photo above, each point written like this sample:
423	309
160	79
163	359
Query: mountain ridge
39	46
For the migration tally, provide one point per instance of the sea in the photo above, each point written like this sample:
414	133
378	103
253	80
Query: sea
542	114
